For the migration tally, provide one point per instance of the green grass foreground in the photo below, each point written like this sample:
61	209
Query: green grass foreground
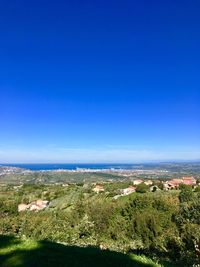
28	253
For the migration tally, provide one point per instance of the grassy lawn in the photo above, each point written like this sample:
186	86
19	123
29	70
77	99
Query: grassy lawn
29	253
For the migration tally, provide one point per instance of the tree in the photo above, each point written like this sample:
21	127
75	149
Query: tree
142	188
186	194
184	187
197	189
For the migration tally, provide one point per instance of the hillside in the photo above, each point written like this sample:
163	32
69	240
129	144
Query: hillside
53	177
162	225
15	252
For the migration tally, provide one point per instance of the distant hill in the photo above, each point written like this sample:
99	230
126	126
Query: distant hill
51	177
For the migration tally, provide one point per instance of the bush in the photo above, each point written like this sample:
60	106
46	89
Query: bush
142	188
197	189
186	195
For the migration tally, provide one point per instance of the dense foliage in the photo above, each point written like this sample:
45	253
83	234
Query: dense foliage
161	224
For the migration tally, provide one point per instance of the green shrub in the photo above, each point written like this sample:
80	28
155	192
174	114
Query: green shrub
142	188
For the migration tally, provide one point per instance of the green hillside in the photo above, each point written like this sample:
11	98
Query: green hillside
160	225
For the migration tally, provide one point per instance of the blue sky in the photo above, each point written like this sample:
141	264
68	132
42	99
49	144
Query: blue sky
99	81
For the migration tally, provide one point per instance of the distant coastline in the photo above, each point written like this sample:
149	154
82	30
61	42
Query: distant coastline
68	166
99	166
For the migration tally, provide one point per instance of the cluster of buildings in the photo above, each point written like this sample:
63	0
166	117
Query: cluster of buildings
167	185
33	206
175	183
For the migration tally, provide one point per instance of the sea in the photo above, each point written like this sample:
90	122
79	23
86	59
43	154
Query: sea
68	166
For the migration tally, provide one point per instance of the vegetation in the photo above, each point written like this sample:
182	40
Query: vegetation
142	188
29	253
164	226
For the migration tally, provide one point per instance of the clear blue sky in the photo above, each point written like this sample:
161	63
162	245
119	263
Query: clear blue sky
99	81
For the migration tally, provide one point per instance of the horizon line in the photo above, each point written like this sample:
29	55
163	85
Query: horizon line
93	163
